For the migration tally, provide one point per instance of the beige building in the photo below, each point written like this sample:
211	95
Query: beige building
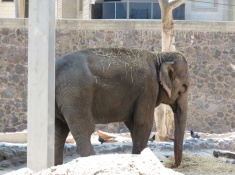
74	9
198	10
13	8
7	9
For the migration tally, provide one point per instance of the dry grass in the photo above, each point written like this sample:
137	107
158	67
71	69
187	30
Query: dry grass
113	53
195	164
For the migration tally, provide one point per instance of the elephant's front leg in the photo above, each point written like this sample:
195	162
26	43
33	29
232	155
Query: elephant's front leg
142	126
140	137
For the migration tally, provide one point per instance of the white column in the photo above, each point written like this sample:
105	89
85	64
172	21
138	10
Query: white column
41	84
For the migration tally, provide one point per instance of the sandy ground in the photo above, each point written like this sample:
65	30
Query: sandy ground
118	161
111	164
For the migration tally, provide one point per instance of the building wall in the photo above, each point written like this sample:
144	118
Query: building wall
58	9
75	9
7	9
69	9
208	46
21	8
232	10
194	11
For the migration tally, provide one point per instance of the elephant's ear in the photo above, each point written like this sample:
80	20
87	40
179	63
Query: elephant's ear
166	76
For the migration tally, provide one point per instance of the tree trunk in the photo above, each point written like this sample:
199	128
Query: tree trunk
164	116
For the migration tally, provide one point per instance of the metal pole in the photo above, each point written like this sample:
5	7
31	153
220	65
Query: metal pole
128	9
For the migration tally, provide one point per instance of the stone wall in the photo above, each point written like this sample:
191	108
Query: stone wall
208	46
13	78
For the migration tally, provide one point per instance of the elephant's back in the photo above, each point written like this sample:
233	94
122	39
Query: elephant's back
67	62
72	71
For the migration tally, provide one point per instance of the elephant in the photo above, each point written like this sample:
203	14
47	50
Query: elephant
105	85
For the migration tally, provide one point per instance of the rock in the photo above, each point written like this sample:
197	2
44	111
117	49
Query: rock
5	163
8	154
8	93
9	129
2	113
16	161
19	69
203	145
227	154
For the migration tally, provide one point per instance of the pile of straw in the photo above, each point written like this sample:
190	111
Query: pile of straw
195	164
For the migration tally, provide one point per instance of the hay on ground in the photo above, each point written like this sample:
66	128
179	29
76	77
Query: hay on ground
201	165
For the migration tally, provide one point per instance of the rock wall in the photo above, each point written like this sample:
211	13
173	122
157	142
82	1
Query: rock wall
13	79
208	46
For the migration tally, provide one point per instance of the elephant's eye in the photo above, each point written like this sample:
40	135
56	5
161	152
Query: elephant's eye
184	88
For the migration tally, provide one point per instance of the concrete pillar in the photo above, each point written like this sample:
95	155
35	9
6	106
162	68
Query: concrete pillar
41	84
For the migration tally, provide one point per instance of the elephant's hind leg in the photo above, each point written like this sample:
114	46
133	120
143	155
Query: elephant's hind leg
82	135
81	124
61	133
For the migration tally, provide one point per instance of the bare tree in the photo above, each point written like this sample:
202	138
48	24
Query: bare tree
164	116
167	7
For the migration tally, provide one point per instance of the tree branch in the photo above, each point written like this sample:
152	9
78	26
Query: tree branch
174	4
163	3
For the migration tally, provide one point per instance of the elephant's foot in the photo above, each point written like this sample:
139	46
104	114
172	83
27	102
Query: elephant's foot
138	150
58	160
140	137
85	150
84	146
59	154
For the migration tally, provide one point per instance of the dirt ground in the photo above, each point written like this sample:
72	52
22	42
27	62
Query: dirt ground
163	155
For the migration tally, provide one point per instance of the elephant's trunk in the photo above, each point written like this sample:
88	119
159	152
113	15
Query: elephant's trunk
180	118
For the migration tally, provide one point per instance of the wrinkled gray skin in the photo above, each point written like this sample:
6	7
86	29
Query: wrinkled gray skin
97	86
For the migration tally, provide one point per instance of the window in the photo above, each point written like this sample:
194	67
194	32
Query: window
110	9
121	11
179	12
140	11
156	11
